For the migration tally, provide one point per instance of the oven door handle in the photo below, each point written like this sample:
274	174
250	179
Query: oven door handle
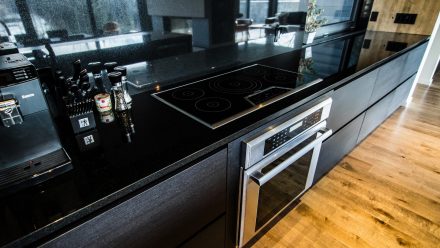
260	179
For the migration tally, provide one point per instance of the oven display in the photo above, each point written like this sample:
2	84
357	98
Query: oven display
288	133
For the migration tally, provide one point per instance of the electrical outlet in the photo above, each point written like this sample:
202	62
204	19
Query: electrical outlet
405	18
395	46
366	44
373	16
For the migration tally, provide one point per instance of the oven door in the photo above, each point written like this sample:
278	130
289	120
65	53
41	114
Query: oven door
273	183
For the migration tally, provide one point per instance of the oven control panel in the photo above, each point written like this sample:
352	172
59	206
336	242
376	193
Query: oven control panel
283	136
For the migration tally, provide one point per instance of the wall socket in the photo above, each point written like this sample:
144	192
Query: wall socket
405	18
373	16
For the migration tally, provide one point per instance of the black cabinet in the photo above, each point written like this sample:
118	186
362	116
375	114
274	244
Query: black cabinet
212	236
388	78
351	100
413	61
335	147
165	215
375	116
401	94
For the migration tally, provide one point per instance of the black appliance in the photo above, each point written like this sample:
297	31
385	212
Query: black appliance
219	100
30	150
279	166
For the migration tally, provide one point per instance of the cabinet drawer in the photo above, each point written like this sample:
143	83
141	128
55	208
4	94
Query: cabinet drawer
213	236
337	146
413	61
401	94
351	100
388	78
375	116
163	216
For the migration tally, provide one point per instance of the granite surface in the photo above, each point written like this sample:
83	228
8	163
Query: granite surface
165	140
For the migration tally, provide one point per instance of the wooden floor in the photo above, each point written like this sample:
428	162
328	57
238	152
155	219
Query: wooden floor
385	193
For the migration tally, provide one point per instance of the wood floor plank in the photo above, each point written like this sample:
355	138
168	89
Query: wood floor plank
385	193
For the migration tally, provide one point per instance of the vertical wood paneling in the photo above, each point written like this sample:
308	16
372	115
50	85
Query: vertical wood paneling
426	10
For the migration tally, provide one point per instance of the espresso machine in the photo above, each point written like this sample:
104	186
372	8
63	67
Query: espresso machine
30	149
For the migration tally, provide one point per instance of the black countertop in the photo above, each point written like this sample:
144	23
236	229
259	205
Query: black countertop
166	140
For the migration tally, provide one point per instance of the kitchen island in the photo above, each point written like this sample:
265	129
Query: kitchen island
178	181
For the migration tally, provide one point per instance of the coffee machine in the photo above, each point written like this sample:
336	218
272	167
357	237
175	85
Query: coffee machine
30	149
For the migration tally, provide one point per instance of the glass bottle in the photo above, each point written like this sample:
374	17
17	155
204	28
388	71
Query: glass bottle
96	68
123	71
117	91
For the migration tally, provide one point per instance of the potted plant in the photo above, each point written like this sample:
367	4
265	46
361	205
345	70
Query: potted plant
312	21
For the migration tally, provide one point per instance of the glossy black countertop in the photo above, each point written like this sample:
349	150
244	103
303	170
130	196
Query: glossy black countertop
166	141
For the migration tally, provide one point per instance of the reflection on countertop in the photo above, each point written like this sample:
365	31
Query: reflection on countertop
156	59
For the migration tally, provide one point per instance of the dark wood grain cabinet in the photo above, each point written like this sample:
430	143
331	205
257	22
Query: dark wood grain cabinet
375	116
413	61
335	147
388	78
372	97
166	215
213	236
400	95
350	100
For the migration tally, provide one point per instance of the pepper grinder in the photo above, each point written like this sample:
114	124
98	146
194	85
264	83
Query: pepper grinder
122	111
117	91
123	71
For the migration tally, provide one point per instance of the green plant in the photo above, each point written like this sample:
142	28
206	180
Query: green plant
312	22
306	66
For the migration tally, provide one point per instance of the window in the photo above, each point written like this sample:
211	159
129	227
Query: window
258	10
181	25
57	18
116	17
288	5
336	10
9	15
243	8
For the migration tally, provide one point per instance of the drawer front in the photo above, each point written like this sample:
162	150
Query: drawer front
375	116
351	100
388	78
337	146
163	216
413	61
401	94
213	236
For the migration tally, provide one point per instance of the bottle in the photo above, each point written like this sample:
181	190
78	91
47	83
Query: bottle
76	69
96	68
123	71
123	113
117	91
110	66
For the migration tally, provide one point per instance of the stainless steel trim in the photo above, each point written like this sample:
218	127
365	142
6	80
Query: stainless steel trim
287	147
270	100
251	193
182	111
261	178
255	146
240	114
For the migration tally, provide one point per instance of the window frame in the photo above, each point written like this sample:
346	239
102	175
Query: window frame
324	30
341	26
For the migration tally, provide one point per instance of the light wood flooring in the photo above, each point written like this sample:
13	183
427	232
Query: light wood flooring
385	193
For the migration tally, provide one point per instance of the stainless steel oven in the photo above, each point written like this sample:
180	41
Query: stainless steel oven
279	166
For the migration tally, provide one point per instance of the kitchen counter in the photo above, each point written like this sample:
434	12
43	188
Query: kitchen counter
167	141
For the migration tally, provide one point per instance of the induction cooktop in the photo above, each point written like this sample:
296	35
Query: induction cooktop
218	100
